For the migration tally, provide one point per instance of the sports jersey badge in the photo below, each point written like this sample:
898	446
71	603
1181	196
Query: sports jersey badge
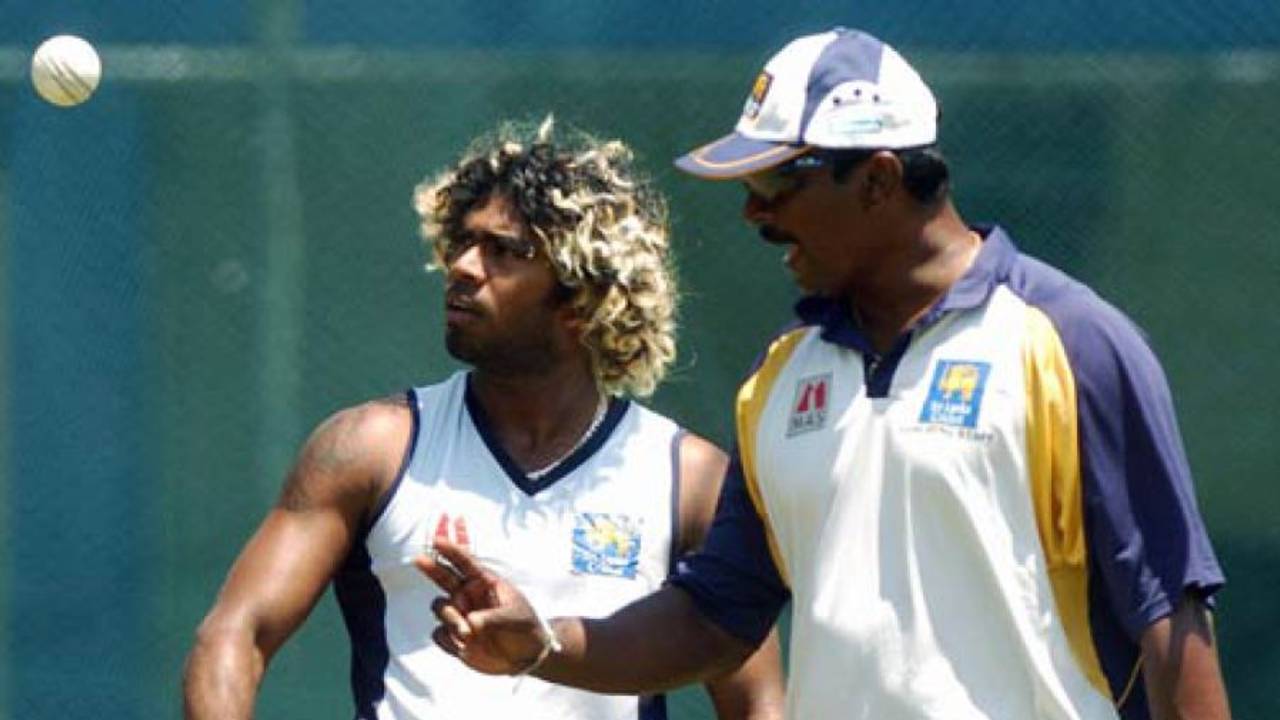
955	394
606	544
809	407
759	89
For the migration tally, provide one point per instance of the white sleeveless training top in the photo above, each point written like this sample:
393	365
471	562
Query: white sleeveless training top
594	534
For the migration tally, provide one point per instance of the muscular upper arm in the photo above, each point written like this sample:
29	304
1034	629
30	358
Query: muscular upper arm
338	478
702	468
753	691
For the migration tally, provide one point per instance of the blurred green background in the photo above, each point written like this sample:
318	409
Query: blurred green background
217	251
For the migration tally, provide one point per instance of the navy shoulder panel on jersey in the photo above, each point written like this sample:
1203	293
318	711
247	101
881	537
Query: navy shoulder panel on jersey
1146	538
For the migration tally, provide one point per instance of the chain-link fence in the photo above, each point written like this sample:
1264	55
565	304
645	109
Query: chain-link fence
217	251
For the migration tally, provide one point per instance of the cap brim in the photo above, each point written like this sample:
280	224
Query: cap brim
735	156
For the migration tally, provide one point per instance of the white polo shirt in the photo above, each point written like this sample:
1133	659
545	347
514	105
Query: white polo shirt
978	524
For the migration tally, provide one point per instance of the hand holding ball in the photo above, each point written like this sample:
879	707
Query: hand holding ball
65	70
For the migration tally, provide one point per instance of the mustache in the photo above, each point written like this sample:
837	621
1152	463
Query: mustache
774	236
460	298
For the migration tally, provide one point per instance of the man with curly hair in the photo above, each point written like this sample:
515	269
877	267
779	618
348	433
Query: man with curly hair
560	296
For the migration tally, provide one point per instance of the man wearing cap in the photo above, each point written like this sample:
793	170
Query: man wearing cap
959	465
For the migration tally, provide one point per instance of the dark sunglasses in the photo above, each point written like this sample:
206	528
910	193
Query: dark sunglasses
492	244
780	180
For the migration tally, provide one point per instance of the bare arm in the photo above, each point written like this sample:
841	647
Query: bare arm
753	691
280	574
1180	666
656	643
659	642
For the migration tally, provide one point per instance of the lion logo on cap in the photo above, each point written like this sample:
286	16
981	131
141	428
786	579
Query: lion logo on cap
759	89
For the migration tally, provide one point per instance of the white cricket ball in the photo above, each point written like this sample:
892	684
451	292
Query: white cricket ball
65	70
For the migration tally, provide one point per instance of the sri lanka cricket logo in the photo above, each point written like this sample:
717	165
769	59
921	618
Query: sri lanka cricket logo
955	394
606	544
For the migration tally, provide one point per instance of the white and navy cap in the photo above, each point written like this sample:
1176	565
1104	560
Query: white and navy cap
837	89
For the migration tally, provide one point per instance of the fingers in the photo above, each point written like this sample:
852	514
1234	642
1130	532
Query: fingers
453	632
447	642
447	577
484	621
492	620
463	625
449	566
452	619
462	560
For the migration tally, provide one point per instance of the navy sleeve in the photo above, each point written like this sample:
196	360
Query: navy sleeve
732	579
1147	542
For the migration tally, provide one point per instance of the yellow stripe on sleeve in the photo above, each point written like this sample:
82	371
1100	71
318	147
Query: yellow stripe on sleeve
752	397
1057	489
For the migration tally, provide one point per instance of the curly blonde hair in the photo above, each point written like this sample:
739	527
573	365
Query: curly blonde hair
604	229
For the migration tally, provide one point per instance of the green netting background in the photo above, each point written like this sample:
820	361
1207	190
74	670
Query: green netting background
218	251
